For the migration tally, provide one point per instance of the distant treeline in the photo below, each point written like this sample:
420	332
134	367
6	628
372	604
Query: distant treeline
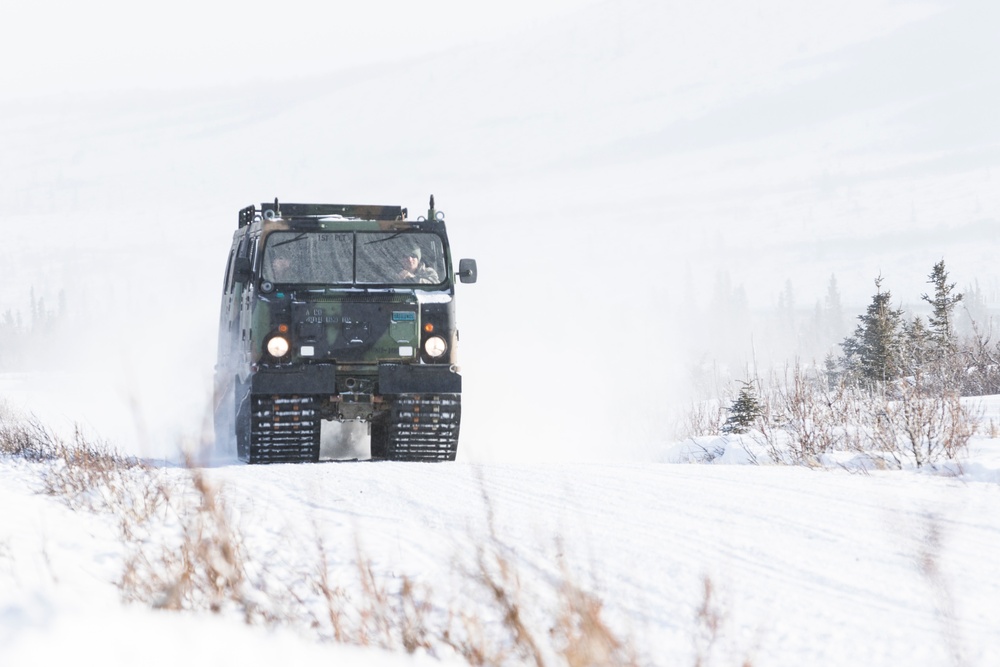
726	339
889	345
24	339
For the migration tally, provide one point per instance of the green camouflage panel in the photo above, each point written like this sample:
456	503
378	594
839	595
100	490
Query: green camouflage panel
345	329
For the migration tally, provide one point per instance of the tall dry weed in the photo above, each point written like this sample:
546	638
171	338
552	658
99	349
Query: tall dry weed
26	438
184	551
700	419
194	559
581	636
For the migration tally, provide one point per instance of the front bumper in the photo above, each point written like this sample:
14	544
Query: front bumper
393	378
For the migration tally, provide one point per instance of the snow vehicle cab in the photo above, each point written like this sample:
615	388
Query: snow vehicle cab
339	313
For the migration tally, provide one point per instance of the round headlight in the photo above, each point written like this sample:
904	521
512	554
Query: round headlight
277	346
435	346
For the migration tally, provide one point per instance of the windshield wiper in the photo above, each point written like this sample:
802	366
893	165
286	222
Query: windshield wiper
387	238
292	240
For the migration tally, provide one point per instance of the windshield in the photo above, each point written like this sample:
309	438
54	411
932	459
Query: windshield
346	258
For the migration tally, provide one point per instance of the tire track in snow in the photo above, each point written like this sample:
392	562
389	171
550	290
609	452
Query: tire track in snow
817	561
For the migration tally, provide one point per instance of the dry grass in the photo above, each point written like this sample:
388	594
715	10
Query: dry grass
183	551
199	564
26	438
700	419
712	641
581	635
576	633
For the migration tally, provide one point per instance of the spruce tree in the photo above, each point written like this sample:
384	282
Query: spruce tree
832	371
875	352
919	346
744	411
942	320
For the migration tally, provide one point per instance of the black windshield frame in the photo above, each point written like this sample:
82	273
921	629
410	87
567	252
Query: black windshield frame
354	258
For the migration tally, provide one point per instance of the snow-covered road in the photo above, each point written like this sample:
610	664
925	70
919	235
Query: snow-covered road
813	567
807	566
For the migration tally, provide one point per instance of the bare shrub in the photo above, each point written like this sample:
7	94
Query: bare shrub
202	567
581	636
27	438
333	597
812	416
501	579
415	608
384	612
711	630
802	417
793	425
923	427
91	474
710	619
577	634
80	472
979	357
375	624
920	419
471	640
701	418
949	437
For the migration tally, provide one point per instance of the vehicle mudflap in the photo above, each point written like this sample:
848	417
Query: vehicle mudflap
316	379
418	379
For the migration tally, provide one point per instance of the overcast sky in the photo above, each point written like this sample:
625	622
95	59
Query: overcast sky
665	147
53	46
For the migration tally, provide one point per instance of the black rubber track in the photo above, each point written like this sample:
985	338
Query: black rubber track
283	429
420	427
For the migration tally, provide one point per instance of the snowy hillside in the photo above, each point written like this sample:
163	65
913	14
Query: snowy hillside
613	166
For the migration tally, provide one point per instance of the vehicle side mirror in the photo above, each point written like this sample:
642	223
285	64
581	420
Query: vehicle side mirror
242	271
467	271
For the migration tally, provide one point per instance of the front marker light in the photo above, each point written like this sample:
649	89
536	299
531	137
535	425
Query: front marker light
435	346
277	347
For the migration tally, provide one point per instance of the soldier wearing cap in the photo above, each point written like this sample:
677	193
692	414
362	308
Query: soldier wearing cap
414	270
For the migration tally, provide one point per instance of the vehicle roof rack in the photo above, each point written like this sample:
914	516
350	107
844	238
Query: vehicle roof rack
355	211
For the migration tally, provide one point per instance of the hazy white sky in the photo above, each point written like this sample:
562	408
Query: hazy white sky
62	45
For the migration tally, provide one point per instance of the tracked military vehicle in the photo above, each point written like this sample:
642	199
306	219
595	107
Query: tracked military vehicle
334	313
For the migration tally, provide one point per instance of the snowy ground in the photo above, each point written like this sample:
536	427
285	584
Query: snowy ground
809	566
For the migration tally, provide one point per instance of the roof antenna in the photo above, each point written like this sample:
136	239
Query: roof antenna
430	211
277	208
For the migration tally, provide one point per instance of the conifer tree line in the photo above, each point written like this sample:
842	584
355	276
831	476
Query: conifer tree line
21	336
891	392
887	345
